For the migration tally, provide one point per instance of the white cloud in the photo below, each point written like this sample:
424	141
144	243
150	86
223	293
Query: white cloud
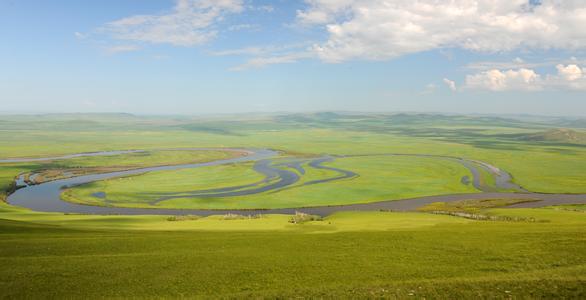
451	84
429	89
496	80
570	72
190	23
121	49
245	26
263	8
80	35
568	77
265	50
383	29
259	62
262	56
241	51
519	63
501	65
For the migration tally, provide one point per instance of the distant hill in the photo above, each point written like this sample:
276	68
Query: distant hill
558	135
573	123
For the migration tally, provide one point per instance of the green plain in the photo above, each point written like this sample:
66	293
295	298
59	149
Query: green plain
346	255
538	253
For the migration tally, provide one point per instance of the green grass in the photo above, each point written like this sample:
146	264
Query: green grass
471	206
143	159
140	190
377	221
558	135
570	207
97	164
553	167
380	178
542	168
346	255
365	255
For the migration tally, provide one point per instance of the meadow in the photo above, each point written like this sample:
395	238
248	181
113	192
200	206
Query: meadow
376	254
444	250
549	166
381	178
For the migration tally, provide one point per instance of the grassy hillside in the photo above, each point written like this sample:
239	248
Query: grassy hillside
558	135
365	255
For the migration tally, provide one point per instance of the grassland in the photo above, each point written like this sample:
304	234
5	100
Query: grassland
520	253
143	159
380	178
64	168
137	191
570	207
55	169
541	166
378	254
470	206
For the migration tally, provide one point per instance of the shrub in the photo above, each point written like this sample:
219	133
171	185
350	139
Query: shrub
230	216
482	217
301	217
182	218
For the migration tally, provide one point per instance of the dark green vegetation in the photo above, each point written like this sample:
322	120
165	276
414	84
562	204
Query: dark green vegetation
571	207
471	206
102	164
477	210
558	135
524	253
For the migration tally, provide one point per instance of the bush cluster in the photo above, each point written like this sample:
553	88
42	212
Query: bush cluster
300	217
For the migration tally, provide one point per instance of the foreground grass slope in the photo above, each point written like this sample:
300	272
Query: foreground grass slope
450	258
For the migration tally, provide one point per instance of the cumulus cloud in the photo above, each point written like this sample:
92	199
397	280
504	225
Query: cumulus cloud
569	72
451	84
519	63
567	77
383	29
496	80
190	23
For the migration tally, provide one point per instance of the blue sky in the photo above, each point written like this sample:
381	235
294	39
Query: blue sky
231	56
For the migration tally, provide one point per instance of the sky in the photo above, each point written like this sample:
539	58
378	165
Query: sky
238	56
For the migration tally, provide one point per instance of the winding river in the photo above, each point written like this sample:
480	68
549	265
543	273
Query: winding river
46	197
